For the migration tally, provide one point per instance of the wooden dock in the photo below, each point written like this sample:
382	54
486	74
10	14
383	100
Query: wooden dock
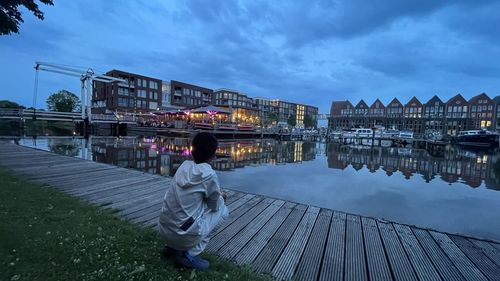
284	239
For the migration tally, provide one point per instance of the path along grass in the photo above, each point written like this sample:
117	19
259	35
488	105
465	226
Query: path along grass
47	235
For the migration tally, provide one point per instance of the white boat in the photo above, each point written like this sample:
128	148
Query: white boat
480	138
358	133
405	138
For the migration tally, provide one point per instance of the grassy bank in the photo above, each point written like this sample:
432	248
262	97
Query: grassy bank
47	235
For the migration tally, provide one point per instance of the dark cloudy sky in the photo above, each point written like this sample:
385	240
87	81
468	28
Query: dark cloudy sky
304	51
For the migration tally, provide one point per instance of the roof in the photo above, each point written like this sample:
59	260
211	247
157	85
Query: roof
480	96
338	105
413	102
381	105
395	103
457	99
361	104
433	100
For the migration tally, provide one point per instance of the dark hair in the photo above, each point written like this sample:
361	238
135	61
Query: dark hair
204	147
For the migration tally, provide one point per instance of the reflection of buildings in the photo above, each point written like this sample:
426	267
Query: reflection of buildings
164	155
468	167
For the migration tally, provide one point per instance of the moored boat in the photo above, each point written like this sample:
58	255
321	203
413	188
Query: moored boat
479	138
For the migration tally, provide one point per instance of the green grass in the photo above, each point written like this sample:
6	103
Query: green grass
47	235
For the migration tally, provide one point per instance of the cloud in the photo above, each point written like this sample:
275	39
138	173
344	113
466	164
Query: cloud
303	51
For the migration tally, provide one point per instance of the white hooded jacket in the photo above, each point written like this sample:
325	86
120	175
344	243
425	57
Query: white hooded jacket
193	192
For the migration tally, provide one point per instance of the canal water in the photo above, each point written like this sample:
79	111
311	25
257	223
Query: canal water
456	190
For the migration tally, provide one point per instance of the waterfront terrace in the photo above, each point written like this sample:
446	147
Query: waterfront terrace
450	117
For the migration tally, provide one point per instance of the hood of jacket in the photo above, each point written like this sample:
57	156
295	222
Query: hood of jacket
190	174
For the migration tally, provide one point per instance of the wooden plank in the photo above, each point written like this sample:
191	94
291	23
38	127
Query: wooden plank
310	262
355	263
378	266
442	263
129	196
289	259
138	207
146	214
237	213
332	267
496	245
240	202
62	180
70	173
459	259
217	241
116	184
401	266
124	192
233	246
125	204
44	163
153	215
234	197
104	177
423	266
267	258
476	255
252	249
488	249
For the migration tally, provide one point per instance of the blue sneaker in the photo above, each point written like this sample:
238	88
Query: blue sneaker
186	260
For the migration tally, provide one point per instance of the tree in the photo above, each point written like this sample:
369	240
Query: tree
292	120
308	121
63	101
10	104
271	118
11	17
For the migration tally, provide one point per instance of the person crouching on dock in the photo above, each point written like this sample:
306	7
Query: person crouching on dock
193	206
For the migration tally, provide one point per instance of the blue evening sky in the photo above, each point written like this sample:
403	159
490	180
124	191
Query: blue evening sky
310	51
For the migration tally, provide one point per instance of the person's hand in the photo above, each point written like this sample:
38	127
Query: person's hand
224	195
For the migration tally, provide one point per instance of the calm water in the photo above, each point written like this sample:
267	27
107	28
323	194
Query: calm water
455	191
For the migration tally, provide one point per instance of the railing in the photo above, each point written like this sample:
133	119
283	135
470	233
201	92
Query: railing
7	113
30	113
114	118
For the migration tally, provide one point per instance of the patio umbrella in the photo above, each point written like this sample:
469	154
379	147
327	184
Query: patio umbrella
210	109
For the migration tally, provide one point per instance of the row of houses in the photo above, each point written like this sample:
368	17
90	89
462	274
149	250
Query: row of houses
448	117
140	94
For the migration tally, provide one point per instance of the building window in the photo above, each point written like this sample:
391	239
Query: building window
141	94
123	102
153	105
123	91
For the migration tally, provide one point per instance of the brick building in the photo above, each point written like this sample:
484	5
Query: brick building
136	95
450	117
189	95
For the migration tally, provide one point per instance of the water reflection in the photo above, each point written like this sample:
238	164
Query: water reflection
68	147
162	155
455	164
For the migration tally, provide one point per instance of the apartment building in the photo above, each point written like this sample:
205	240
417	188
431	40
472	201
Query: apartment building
136	95
139	94
189	95
243	108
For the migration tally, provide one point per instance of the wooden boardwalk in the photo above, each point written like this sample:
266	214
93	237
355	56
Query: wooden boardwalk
284	239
